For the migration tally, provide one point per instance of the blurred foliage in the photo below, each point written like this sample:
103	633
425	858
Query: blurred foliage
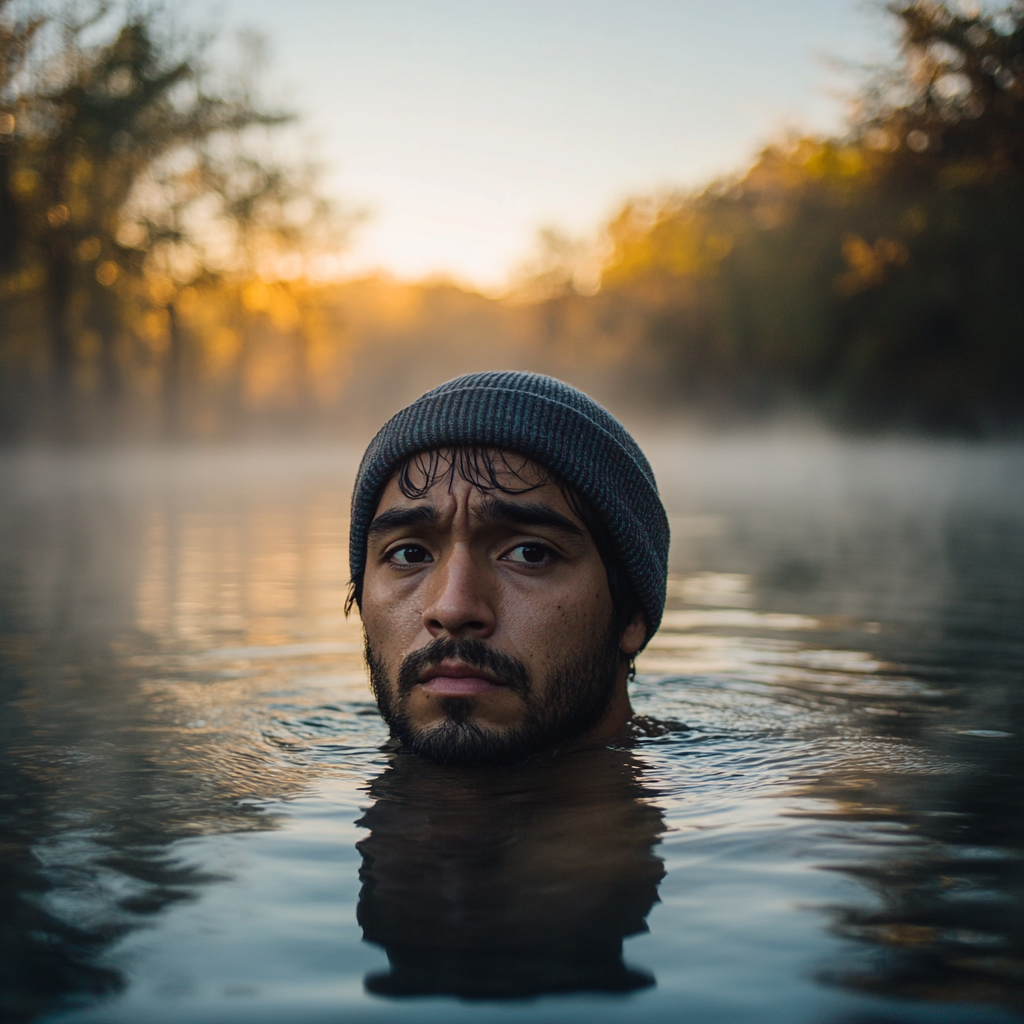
137	194
871	278
162	273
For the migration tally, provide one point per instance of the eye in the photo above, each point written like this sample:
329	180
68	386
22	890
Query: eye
409	554
529	554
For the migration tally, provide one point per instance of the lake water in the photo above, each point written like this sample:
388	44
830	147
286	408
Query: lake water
199	822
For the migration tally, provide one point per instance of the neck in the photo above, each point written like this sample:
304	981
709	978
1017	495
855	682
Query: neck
613	723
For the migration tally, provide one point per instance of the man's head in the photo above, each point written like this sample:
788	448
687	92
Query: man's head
509	557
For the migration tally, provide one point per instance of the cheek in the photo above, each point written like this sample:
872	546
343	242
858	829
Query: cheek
388	625
571	618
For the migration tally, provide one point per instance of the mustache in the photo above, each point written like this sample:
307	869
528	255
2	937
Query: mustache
475	653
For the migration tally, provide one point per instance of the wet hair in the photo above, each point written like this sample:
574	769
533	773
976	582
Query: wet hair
489	470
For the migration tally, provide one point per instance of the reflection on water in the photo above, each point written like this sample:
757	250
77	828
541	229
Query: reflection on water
505	884
199	822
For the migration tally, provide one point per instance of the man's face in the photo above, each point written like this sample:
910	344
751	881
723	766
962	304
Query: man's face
488	618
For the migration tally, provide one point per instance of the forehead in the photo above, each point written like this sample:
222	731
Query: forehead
433	475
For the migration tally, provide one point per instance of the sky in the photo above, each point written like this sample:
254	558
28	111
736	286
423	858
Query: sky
462	127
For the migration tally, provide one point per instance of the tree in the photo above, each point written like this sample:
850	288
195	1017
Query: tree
873	277
139	175
15	42
953	106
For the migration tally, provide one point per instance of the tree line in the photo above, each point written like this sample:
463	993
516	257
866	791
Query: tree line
875	278
157	258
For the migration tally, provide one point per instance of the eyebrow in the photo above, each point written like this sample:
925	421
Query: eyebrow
491	510
395	518
526	513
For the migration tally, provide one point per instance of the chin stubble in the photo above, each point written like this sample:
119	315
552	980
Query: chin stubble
577	698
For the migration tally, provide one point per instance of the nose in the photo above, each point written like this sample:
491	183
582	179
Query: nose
461	600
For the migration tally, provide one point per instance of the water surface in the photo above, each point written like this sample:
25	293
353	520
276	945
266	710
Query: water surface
821	820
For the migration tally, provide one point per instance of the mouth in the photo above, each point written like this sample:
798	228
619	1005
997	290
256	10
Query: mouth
458	680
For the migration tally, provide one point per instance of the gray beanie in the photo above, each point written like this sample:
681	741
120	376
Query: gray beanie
554	425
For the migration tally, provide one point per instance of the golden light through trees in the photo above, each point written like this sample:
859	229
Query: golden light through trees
131	177
158	258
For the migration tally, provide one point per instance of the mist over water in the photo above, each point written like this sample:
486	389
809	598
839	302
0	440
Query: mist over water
821	822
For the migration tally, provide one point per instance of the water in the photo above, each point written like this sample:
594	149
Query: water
822	822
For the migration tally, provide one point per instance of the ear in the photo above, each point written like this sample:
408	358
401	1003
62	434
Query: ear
632	638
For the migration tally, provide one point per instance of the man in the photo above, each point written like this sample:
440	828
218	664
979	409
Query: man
509	555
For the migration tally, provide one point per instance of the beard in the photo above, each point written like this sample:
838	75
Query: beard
576	698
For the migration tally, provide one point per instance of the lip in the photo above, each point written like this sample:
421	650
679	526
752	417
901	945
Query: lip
458	680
